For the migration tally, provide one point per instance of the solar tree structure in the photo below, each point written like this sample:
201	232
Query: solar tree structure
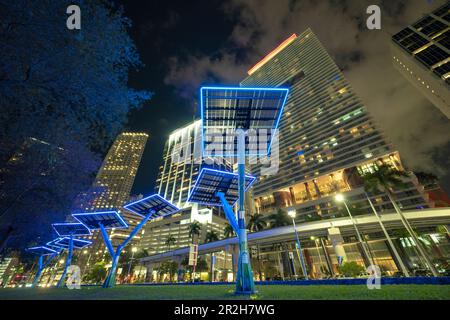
66	240
46	255
228	115
148	208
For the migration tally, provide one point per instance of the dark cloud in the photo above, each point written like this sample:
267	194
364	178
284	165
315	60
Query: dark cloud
415	127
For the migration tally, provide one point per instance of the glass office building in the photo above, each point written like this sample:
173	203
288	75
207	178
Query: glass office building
327	138
110	191
181	164
421	53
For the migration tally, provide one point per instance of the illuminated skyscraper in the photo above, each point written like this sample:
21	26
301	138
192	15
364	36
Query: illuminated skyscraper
181	164
177	176
421	53
112	187
326	135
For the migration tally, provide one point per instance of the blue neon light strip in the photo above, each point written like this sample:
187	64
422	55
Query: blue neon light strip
41	250
112	219
67	229
220	174
77	243
260	109
156	203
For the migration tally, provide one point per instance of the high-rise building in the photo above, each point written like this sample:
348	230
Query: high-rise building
327	136
112	188
181	164
421	53
177	176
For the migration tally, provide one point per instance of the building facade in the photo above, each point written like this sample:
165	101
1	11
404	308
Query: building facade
111	190
181	164
326	136
421	53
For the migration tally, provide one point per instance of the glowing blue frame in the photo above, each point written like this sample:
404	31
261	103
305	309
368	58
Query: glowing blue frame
115	213
56	243
68	224
53	242
41	263
76	243
286	90
234	175
128	205
115	254
44	248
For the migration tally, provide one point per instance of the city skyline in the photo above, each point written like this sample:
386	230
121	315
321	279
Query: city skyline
225	149
231	52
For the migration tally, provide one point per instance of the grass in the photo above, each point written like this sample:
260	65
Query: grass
225	292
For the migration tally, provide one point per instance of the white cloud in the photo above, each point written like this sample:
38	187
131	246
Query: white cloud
415	127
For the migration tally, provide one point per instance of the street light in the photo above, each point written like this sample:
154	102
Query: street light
133	251
340	198
292	213
318	253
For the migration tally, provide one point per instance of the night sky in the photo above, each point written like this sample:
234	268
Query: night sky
184	44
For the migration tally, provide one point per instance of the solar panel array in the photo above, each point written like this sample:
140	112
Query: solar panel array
67	229
226	109
93	220
210	182
155	204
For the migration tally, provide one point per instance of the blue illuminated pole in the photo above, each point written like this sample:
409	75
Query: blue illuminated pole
68	262
244	279
41	266
115	255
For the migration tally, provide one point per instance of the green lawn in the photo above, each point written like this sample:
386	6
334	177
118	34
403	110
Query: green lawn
388	292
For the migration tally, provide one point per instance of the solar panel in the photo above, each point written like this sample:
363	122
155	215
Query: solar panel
154	203
77	243
67	229
53	243
224	110
93	220
210	181
42	250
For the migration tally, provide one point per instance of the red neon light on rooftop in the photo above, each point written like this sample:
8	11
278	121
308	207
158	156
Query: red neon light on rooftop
283	45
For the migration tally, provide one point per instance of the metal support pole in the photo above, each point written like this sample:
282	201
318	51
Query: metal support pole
41	266
244	281
413	235
68	262
129	266
299	251
388	238
39	271
111	278
358	235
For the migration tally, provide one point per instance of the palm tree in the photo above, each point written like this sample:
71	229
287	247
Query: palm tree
170	241
384	178
279	219
256	223
194	230
228	232
211	236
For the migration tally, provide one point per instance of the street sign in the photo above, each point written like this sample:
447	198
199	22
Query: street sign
193	252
